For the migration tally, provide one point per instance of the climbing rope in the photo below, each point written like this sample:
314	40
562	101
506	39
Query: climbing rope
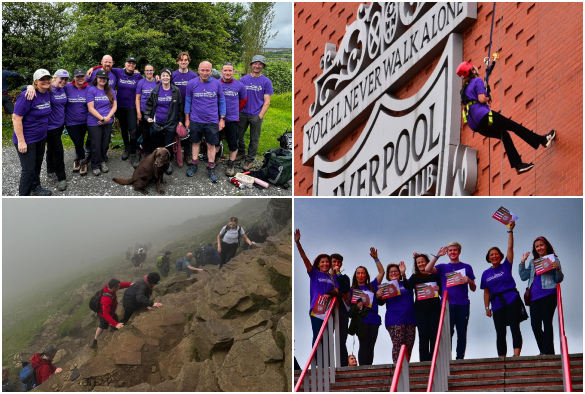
501	104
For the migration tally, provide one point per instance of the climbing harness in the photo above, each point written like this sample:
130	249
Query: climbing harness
465	112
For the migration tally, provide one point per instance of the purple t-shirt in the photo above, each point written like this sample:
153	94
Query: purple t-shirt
321	283
204	100
537	290
112	81
479	110
35	115
58	101
400	309
76	108
165	98
373	317
257	88
180	80
234	92
144	89
458	293
497	280
101	103
126	87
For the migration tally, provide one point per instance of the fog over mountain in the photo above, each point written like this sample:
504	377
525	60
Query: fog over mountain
44	239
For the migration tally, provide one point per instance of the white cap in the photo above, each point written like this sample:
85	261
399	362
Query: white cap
41	72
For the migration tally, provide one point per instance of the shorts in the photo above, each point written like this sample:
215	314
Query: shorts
103	322
211	131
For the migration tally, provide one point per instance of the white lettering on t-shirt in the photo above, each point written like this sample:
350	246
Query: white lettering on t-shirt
167	98
180	83
230	93
76	99
46	105
205	94
254	87
497	275
326	280
127	81
101	98
60	96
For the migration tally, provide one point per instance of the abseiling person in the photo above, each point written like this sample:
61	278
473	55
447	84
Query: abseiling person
491	124
455	277
543	288
500	290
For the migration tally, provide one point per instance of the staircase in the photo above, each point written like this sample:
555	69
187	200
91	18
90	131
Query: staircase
528	373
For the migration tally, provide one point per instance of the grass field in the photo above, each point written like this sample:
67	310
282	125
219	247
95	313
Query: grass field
277	120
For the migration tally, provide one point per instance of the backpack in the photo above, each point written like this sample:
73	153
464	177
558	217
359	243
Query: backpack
277	167
95	303
286	140
159	262
179	264
209	254
239	234
27	376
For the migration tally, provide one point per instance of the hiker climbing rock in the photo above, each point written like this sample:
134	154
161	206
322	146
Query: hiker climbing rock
479	116
43	364
163	263
184	264
139	294
228	240
108	302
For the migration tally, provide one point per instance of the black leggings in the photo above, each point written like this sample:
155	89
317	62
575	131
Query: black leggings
508	315
427	324
542	312
55	153
367	343
127	118
499	130
228	251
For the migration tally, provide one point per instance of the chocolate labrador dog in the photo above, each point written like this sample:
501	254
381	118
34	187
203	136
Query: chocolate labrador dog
152	167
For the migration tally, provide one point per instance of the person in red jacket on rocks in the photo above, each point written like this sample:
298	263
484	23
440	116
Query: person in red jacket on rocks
109	303
43	364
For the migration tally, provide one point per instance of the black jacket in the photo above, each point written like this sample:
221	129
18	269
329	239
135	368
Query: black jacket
176	112
137	295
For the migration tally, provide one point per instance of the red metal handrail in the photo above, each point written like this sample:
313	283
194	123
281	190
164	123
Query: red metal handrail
437	342
319	337
403	353
564	347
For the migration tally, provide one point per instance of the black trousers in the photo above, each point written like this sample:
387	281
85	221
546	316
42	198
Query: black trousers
128	118
77	134
508	315
427	324
228	251
499	130
144	131
55	154
162	139
367	343
7	104
343	325
542	312
129	309
100	142
31	163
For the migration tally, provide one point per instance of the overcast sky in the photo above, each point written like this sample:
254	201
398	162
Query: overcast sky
43	238
283	24
398	227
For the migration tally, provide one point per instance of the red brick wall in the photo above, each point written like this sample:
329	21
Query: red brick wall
541	47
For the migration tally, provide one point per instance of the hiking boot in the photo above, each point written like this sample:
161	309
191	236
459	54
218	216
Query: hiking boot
240	156
523	167
93	344
76	165
135	160
39	191
170	169
97	172
62	186
549	138
126	154
52	176
212	175
247	166
192	170
83	168
230	171
104	167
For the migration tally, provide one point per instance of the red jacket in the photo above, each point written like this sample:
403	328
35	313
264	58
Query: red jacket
110	304
44	369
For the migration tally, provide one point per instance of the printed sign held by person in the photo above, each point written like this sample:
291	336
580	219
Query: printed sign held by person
544	264
455	278
321	307
427	290
503	215
390	289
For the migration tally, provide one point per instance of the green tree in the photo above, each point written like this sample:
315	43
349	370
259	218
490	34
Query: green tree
33	35
280	73
235	14
257	26
151	32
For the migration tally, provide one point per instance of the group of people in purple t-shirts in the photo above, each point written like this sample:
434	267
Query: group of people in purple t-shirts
153	109
414	304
